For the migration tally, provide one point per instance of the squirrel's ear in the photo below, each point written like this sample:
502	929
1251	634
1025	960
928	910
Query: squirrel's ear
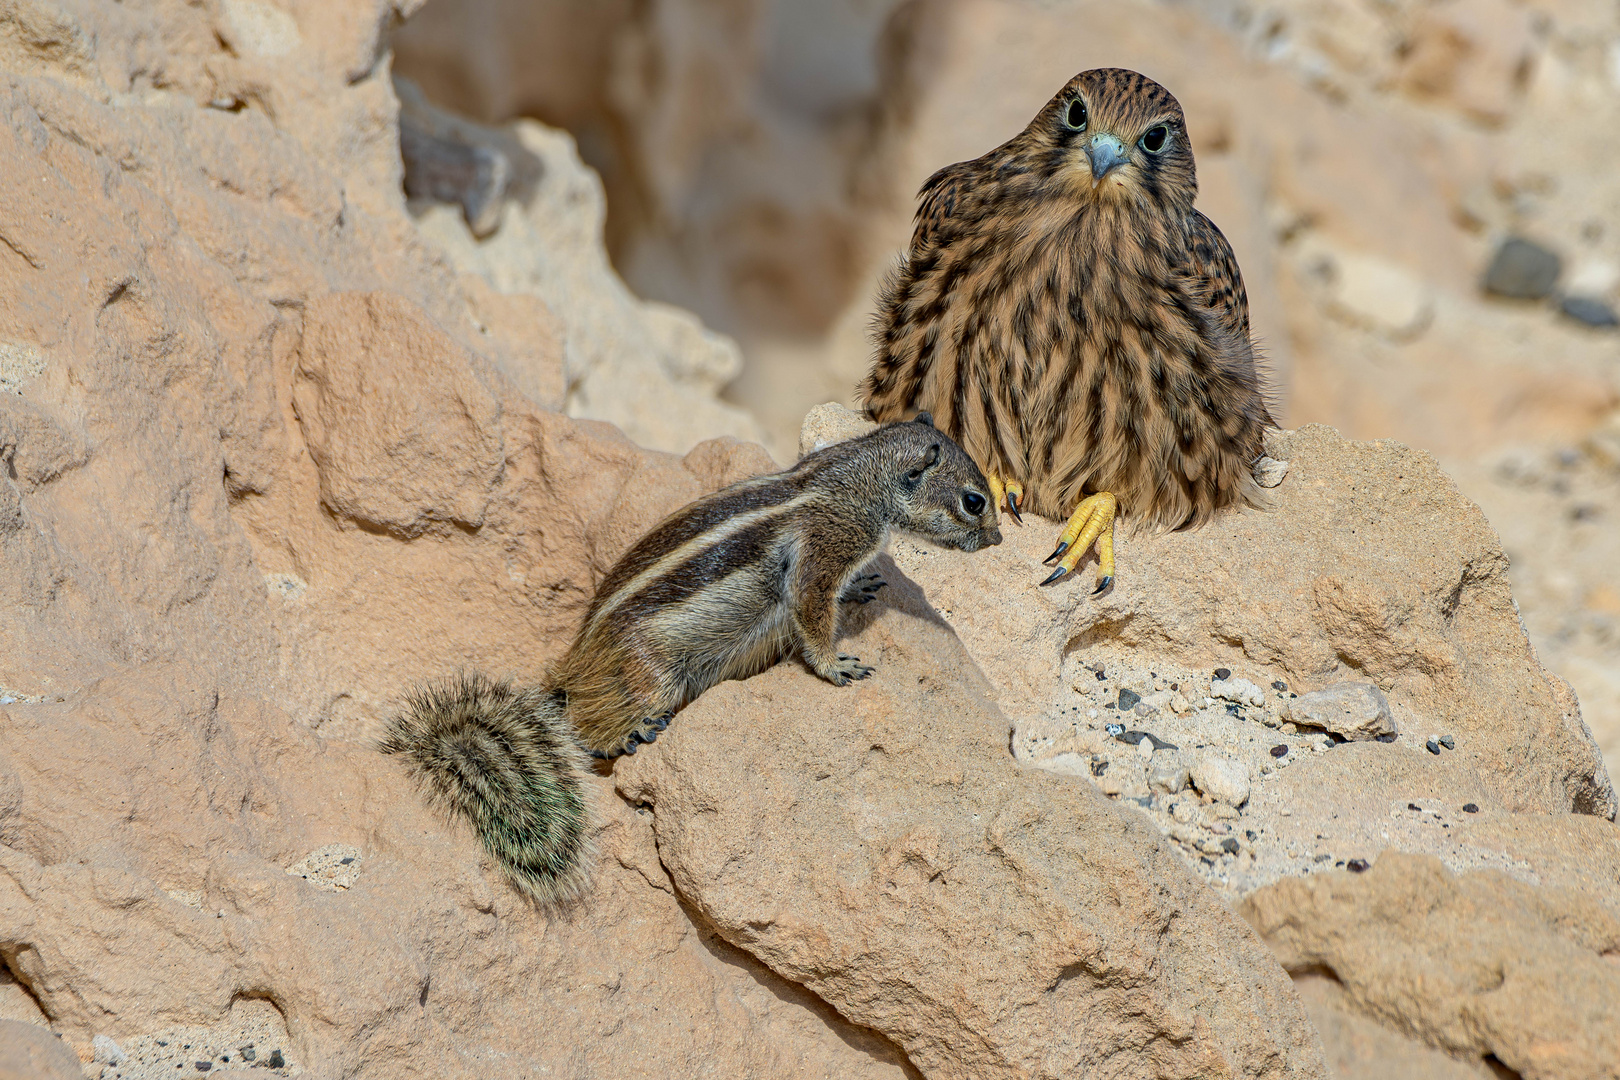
930	459
924	418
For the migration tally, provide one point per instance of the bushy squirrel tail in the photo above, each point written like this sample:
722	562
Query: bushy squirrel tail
506	759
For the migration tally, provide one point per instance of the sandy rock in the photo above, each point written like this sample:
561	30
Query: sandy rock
28	1052
1241	691
107	1052
1478	964
1379	294
1325	583
830	423
267	472
1361	1048
653	370
1354	710
1221	779
929	835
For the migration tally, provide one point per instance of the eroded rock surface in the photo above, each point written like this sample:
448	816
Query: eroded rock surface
991	920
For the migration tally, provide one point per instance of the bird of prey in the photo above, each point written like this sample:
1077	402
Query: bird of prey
1069	318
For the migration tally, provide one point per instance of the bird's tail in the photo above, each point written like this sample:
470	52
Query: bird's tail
506	759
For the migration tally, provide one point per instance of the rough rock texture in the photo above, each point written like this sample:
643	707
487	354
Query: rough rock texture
28	1052
1066	664
266	460
1355	710
763	157
278	444
992	921
1368	563
1478	965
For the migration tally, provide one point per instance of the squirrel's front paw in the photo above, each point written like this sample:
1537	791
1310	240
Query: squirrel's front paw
845	670
862	590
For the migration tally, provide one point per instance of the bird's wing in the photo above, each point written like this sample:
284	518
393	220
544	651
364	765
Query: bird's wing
941	196
1215	277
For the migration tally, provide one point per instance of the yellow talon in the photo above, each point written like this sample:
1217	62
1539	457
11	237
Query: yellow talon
1093	521
1009	493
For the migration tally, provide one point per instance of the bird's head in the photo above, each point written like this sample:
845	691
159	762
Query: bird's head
1115	135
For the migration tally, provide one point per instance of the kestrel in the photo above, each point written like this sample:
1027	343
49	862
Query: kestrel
1079	328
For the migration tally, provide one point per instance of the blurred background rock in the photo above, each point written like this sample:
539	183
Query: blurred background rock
1424	197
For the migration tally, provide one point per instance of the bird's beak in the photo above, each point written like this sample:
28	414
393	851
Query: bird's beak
1106	153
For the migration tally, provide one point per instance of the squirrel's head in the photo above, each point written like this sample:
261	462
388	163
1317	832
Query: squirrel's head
940	494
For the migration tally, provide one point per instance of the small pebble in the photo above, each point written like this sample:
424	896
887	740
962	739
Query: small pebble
1356	866
1251	834
275	1060
1223	673
1413	806
1470	808
1100	675
1448	742
1116	730
1522	269
1432	746
1589	310
1279	751
203	1066
1384	738
1230	846
1280	686
1128	700
1290	728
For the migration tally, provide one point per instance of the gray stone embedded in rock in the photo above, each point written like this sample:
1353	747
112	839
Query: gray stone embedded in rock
1589	310
1522	270
1358	711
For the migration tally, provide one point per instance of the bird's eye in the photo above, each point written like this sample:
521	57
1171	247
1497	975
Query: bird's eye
1077	115
1156	139
973	502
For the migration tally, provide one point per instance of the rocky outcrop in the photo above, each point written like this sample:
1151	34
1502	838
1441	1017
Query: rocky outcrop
764	157
1480	965
279	444
879	846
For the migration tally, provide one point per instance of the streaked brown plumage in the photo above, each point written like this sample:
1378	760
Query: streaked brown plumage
1079	333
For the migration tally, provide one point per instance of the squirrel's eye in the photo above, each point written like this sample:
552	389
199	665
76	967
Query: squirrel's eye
973	502
1077	115
1156	139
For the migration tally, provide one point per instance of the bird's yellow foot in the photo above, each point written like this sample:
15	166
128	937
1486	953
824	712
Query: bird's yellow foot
1093	521
1009	493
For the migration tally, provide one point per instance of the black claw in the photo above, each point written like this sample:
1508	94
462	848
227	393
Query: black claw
1102	583
1059	572
1056	555
630	745
661	723
650	737
598	755
1012	507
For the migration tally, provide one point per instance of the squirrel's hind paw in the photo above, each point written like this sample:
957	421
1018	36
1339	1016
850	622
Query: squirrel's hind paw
645	732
